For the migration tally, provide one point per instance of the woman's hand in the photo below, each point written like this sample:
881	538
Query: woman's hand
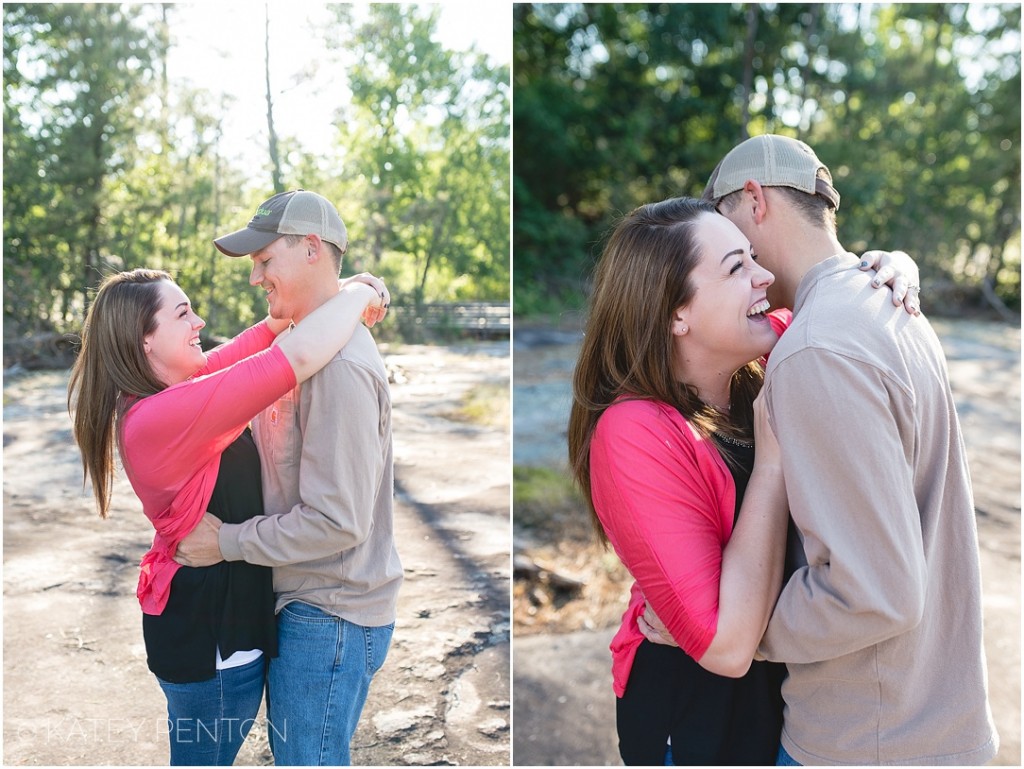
767	456
375	311
898	271
653	629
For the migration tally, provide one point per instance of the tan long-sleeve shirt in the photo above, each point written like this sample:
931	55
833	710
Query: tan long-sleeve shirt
328	489
882	629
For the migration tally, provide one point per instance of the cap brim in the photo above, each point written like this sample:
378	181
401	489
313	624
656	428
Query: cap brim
243	242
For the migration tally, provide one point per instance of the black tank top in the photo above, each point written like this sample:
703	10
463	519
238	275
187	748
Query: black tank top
711	719
228	605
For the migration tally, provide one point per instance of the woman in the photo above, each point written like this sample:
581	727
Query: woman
662	435
179	419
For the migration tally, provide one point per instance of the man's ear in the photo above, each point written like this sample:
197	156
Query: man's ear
758	204
314	246
680	326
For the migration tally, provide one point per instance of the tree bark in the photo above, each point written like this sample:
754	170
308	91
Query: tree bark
748	67
275	160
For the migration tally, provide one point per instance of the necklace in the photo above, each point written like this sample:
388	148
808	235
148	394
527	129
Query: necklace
734	441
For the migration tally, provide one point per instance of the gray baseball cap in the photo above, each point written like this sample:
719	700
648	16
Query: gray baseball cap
772	161
296	212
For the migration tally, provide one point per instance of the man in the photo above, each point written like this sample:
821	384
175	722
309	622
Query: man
881	629
327	463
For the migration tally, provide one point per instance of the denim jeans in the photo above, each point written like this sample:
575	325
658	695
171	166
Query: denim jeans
784	759
318	683
208	720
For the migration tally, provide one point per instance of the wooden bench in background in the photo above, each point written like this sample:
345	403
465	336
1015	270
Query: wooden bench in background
483	320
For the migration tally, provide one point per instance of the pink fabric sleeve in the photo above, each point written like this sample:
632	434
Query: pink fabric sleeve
667	507
251	341
780	320
191	422
172	446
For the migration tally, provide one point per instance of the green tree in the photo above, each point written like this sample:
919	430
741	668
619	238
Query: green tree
616	105
73	75
425	146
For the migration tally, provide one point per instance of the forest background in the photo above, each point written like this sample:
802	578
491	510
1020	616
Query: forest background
112	161
915	108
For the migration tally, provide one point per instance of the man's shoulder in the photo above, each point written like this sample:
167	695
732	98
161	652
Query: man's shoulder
846	318
840	307
360	352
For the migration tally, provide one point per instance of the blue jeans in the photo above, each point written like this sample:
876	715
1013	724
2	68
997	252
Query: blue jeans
318	684
784	759
208	720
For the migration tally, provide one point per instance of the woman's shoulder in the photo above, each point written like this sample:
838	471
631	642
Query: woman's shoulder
634	407
643	416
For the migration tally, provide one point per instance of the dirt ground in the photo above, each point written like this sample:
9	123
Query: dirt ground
564	707
76	690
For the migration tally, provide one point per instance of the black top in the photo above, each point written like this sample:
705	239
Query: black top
229	604
711	719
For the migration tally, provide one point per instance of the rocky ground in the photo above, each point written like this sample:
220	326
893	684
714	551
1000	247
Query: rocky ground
76	689
568	593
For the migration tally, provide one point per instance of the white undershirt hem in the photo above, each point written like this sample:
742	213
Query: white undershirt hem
238	659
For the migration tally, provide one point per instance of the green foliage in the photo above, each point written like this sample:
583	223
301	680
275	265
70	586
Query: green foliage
916	108
73	80
426	149
487	404
110	165
544	499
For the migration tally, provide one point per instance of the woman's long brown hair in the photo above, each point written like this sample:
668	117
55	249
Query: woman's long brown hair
112	371
643	276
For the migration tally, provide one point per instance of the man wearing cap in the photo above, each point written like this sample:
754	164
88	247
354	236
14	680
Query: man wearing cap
328	480
881	629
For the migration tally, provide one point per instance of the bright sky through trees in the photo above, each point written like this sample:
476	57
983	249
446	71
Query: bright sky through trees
219	47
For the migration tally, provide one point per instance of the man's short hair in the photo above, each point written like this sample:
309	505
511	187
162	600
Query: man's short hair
335	252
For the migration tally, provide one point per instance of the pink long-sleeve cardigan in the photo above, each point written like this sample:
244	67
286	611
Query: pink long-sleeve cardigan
666	500
171	444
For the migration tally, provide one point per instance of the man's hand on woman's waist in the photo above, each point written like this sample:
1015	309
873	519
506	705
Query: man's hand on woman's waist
201	547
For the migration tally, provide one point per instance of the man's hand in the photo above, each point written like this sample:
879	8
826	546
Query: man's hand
201	547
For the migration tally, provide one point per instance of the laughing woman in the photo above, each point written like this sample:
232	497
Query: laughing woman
662	435
179	419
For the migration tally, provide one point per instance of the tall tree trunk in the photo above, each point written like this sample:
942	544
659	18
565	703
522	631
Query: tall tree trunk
94	214
1008	223
183	210
275	160
808	68
748	67
163	50
211	286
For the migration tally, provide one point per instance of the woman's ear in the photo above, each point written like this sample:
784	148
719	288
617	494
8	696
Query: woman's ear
680	327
